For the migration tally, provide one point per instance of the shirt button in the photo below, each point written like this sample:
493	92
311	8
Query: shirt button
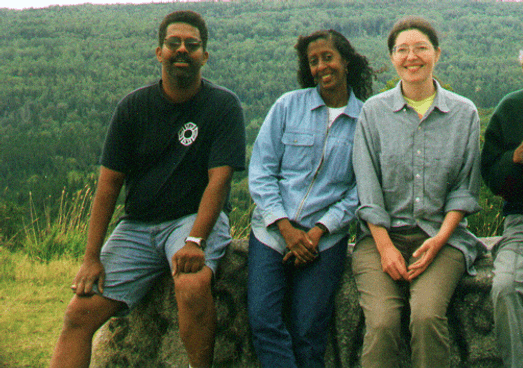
295	141
418	152
418	176
417	199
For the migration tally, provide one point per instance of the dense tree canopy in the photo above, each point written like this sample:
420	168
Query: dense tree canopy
63	69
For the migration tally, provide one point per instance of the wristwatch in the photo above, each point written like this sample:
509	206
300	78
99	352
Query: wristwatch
199	241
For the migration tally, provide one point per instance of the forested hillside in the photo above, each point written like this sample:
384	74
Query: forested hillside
63	69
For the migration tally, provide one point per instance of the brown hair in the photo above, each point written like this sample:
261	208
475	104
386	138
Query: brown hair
412	22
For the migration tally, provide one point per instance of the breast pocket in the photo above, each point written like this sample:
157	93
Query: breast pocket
338	160
443	173
298	152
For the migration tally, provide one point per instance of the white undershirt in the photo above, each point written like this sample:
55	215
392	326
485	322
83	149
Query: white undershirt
334	112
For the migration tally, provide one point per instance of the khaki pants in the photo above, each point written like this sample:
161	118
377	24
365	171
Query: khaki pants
382	300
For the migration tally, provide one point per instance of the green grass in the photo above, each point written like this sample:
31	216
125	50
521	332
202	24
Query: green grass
33	298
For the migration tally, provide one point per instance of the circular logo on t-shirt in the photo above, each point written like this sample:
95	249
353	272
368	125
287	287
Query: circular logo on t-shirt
187	135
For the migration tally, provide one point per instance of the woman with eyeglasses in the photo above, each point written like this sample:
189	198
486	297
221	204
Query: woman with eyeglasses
302	181
416	159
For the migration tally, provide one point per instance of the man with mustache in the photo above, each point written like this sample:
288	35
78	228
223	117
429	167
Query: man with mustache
502	170
175	145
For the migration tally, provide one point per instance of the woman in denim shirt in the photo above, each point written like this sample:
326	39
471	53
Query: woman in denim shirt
416	158
302	181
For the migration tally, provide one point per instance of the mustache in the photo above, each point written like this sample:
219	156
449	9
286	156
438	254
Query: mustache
184	58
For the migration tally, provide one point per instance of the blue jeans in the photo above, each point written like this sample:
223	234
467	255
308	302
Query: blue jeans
507	292
290	307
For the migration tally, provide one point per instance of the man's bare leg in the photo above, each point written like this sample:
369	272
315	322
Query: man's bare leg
196	315
83	317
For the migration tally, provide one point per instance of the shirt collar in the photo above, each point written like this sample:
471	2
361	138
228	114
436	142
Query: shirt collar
352	110
440	101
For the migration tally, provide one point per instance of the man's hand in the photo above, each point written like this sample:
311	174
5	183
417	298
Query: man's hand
189	259
518	155
91	272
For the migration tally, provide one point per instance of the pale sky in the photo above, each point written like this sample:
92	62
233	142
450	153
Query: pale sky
25	4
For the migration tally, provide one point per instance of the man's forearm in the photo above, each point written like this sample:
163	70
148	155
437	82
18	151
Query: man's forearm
104	203
212	202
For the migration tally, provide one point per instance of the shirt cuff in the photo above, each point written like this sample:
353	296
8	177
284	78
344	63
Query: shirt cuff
462	202
270	217
323	228
374	215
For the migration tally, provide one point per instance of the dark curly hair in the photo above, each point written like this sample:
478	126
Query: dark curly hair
360	74
412	22
184	16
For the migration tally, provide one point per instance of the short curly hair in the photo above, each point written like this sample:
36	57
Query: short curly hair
184	16
360	74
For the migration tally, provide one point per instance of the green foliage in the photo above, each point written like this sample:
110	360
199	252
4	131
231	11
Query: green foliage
65	68
65	234
11	220
52	244
242	206
7	267
488	222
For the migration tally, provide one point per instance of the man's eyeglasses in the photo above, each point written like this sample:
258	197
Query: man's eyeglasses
174	43
404	49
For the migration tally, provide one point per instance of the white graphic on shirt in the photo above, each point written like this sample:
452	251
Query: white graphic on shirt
187	135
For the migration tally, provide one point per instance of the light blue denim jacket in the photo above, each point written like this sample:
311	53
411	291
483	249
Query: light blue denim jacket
302	170
412	171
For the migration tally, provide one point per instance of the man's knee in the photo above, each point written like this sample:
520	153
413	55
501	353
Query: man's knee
89	313
193	288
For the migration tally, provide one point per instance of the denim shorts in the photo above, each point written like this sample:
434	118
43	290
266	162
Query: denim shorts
137	254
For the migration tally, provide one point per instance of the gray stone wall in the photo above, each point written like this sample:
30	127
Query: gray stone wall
148	337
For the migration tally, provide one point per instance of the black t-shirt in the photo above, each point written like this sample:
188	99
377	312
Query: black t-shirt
166	149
